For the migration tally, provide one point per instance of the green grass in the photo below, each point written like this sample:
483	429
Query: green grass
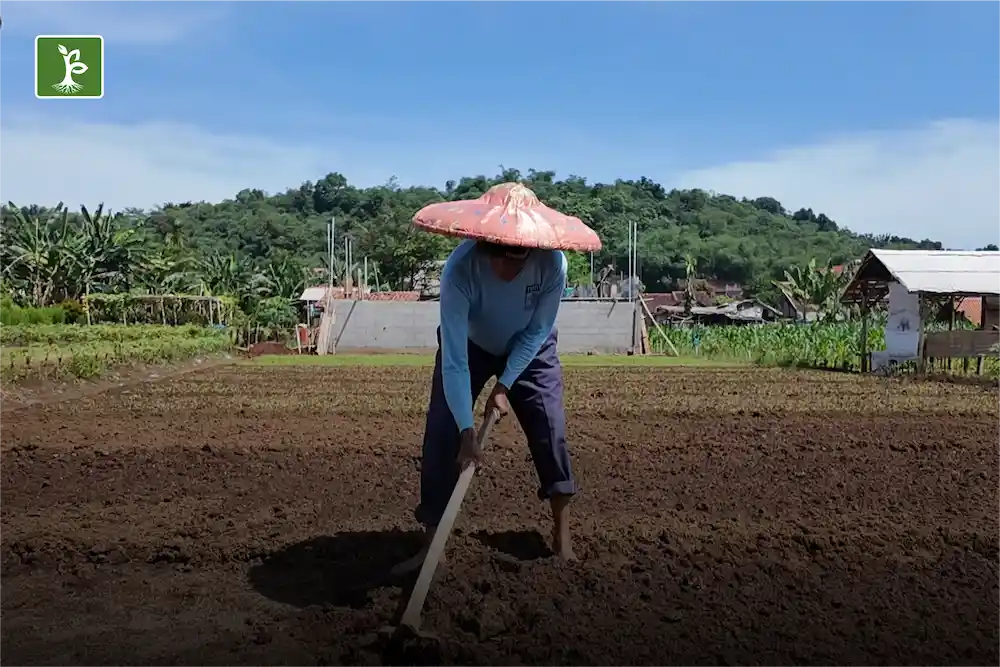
428	360
72	334
89	352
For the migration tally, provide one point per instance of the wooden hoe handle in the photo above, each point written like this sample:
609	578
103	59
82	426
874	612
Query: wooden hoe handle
411	616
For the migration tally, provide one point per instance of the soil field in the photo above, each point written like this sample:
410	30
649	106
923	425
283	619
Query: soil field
247	514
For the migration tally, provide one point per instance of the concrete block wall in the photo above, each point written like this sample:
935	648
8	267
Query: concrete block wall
595	326
584	326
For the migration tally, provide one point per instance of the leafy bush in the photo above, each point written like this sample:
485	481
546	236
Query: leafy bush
276	312
75	312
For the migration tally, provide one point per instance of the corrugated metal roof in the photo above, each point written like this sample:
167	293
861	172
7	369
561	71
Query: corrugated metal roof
313	293
943	271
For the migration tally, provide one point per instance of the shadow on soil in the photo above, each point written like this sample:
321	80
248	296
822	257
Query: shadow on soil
342	569
338	570
522	545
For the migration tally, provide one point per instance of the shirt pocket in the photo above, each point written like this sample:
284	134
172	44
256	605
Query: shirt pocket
531	296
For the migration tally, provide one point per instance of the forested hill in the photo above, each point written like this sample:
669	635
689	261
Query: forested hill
748	241
739	240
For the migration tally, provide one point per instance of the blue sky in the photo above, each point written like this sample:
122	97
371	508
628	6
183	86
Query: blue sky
883	115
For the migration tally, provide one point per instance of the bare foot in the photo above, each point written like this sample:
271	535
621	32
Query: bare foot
413	564
563	548
562	544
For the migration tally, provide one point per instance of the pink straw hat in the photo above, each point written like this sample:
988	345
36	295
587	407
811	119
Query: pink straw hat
508	214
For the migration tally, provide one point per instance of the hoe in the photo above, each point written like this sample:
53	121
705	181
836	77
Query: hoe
409	625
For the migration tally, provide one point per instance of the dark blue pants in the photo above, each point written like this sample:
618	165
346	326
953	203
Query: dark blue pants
536	400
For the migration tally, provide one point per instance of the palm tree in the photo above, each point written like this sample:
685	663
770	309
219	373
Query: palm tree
37	251
49	255
286	279
816	287
690	268
109	252
234	276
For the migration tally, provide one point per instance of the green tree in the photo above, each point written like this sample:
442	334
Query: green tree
255	246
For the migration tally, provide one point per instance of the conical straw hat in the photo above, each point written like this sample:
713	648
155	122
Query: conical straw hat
508	214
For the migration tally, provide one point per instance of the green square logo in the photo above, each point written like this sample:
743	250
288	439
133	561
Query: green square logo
69	66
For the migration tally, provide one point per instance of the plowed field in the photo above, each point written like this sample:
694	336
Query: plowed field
247	515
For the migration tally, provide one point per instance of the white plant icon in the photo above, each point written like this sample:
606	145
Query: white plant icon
72	64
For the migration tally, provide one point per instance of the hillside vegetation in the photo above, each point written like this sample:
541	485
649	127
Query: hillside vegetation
258	246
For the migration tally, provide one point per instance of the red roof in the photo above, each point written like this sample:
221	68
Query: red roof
392	296
356	293
655	300
972	309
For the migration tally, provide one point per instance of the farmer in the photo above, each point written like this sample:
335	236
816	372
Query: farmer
498	309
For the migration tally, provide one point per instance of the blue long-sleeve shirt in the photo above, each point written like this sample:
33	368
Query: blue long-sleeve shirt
503	318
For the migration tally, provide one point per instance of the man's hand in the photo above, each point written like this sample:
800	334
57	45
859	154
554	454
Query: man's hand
469	451
497	401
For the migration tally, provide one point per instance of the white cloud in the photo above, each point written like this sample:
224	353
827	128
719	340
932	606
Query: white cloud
940	181
121	22
141	165
45	159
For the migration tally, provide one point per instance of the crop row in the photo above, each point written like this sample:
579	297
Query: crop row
93	359
71	334
816	345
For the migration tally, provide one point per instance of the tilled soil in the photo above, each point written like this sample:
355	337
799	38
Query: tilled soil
248	515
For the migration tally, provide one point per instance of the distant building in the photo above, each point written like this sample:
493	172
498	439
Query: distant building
714	288
743	311
312	296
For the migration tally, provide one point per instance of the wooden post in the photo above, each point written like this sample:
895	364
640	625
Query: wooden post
663	334
864	365
864	342
951	324
644	345
635	325
921	348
